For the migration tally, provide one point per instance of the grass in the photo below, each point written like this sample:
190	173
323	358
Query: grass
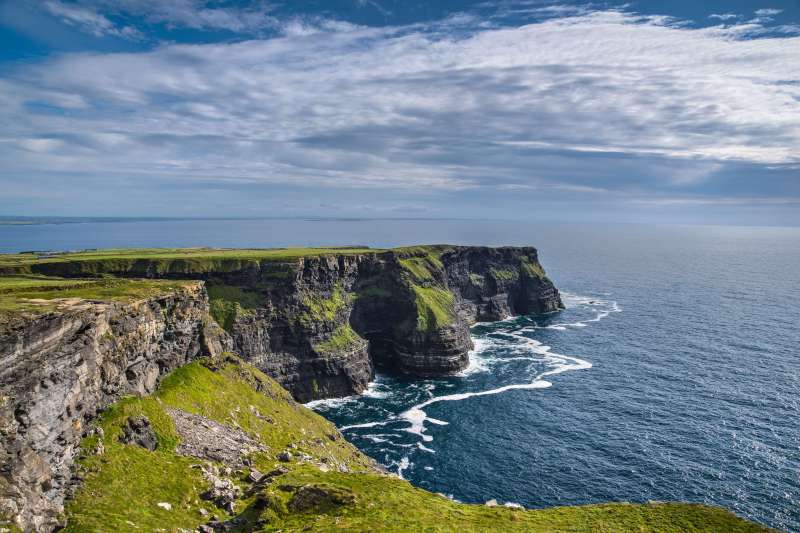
504	275
123	486
319	309
531	270
434	307
228	302
343	338
40	294
159	261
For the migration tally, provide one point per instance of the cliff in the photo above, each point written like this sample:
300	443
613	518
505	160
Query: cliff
221	447
80	331
318	320
119	410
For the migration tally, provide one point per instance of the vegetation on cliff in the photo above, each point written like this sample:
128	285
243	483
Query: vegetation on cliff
158	261
228	302
36	294
319	482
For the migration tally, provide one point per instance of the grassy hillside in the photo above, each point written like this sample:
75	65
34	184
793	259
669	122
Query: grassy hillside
328	485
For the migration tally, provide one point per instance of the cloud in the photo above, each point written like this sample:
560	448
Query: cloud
604	102
768	12
723	16
250	18
89	20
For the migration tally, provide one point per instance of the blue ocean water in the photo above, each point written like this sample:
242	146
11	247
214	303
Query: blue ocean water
673	374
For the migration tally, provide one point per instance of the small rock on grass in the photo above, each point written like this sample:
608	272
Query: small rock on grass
164	505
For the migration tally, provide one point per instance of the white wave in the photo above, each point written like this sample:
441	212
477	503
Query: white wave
416	416
365	425
375	438
425	448
404	464
558	327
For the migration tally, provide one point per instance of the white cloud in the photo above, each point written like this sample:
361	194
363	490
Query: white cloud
723	16
415	108
89	20
768	12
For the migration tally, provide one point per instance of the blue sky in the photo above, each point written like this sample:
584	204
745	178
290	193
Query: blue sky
678	111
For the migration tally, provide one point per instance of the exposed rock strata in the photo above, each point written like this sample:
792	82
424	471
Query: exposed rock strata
58	370
318	325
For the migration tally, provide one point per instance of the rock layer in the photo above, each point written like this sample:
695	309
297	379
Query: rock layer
318	325
58	370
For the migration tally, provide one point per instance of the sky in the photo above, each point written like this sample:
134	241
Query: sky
677	112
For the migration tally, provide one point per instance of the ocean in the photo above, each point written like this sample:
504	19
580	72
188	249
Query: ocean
673	373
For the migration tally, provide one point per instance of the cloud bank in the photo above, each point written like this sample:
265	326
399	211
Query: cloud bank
591	103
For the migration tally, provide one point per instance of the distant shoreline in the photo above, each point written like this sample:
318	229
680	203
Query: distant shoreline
39	221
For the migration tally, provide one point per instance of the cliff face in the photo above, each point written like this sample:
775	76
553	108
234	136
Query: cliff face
58	370
317	324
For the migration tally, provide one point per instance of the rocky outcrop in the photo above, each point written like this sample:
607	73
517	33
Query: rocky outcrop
58	370
319	325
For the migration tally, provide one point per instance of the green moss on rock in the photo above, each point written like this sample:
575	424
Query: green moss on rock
228	302
343	338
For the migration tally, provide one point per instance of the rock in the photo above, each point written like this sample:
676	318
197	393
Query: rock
491	503
138	431
60	369
207	439
223	493
279	471
285	456
164	505
255	476
319	498
202	512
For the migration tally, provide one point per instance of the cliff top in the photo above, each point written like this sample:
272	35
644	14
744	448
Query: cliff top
38	294
197	258
19	262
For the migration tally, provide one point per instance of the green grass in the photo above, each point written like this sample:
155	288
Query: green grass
41	294
320	309
434	307
422	261
160	261
123	486
228	302
531	270
343	338
504	275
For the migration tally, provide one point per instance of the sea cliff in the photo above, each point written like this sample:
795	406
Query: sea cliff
122	406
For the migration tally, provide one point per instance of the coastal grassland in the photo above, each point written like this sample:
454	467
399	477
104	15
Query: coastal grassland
343	338
227	302
160	261
124	484
421	261
40	293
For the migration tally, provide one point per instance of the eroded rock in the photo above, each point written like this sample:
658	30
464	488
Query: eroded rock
138	431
